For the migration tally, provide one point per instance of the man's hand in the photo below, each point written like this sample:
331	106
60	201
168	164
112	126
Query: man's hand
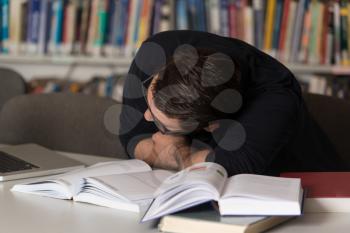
172	152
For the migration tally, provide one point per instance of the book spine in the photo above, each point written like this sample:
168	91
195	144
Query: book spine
84	27
214	12
224	24
258	23
202	24
232	15
324	35
277	27
34	27
290	27
248	31
284	26
330	36
101	28
59	26
78	17
181	15
305	37
43	18
337	49
5	26
270	15
344	32
297	29
92	27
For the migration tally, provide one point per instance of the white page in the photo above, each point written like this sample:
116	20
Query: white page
69	184
211	174
196	184
262	187
131	186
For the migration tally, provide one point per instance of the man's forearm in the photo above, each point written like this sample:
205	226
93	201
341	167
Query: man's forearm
144	151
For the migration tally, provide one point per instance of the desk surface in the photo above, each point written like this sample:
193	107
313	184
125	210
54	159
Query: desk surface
34	214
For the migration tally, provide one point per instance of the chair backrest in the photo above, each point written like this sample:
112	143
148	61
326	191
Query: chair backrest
67	122
11	84
333	116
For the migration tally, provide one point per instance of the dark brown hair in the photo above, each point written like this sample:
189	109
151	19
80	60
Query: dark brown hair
186	87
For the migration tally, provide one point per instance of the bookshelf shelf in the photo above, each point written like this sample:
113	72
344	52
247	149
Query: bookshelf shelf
122	62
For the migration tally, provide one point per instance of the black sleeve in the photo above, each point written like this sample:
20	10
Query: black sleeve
268	122
133	126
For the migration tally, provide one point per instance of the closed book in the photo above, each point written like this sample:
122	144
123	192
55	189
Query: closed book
326	191
206	220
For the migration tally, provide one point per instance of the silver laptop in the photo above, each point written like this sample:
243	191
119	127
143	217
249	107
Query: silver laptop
29	160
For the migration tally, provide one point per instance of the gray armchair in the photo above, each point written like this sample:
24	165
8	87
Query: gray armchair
11	84
333	116
66	122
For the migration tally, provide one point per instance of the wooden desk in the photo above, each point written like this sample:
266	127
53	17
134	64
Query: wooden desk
21	213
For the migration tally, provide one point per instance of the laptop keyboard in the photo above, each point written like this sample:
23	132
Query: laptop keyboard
9	163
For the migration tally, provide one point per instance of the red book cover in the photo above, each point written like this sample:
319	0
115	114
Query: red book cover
284	23
232	12
323	184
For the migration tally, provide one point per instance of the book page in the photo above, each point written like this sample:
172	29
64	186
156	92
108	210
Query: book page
132	186
262	187
69	184
75	181
210	174
199	183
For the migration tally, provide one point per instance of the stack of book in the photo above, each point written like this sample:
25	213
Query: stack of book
294	31
100	86
336	86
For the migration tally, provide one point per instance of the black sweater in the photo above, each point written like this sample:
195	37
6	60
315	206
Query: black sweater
278	131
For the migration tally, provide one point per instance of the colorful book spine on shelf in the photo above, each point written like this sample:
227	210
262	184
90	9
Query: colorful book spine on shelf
258	15
4	26
270	15
310	32
224	18
344	47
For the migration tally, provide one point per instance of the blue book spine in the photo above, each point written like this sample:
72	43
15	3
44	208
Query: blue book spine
277	26
192	14
45	26
59	22
123	23
137	21
200	15
35	24
181	15
224	18
5	25
110	28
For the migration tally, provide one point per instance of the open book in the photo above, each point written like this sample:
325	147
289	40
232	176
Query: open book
132	185
127	185
243	194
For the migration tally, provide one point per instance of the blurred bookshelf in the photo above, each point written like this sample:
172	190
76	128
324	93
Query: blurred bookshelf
311	37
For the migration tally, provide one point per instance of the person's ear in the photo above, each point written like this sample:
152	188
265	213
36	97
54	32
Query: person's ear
147	115
212	126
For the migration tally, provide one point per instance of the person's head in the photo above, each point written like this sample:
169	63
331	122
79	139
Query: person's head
183	95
